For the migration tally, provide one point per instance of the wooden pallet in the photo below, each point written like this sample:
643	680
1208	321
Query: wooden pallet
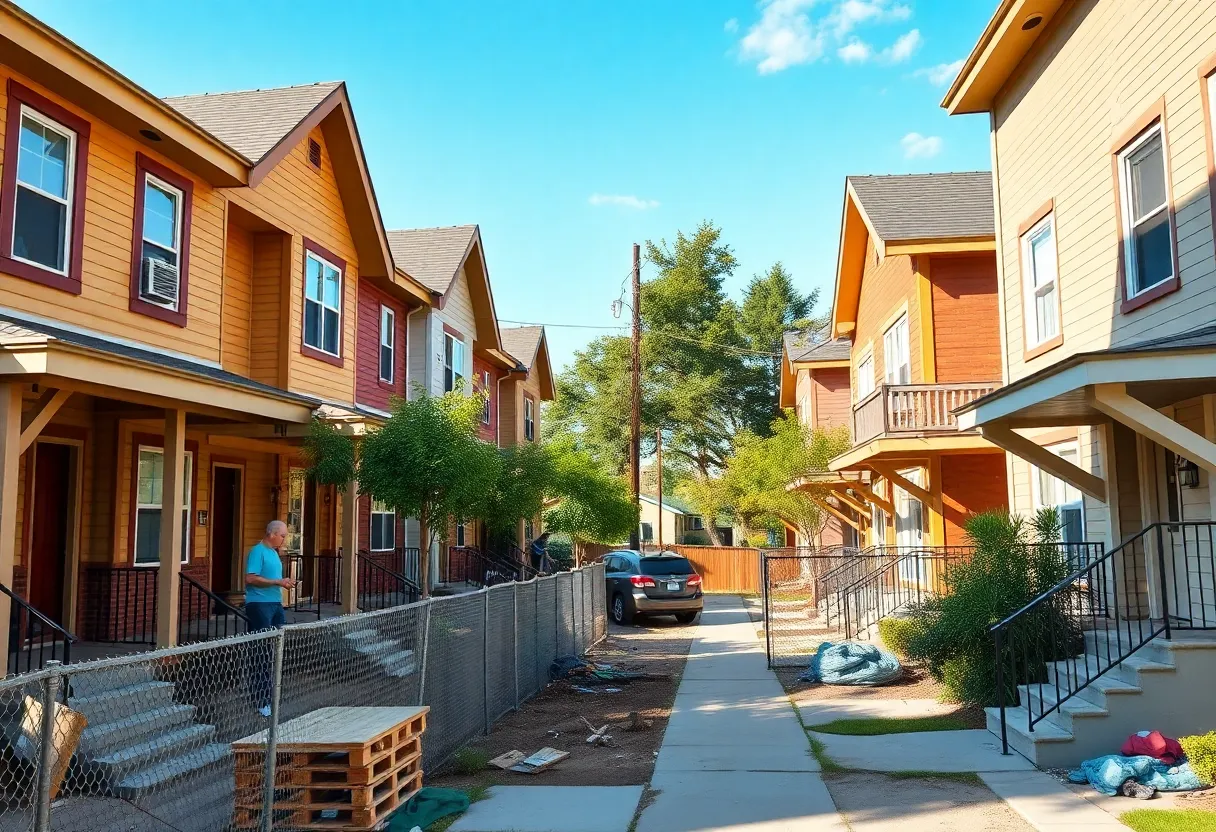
340	737
309	769
336	817
333	795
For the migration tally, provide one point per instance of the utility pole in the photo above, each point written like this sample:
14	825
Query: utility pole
635	394
658	453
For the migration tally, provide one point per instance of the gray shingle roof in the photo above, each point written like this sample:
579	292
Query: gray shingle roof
252	122
813	345
431	256
14	331
927	206
522	342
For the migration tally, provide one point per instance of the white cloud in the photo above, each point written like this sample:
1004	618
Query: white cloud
853	13
855	52
623	201
783	37
942	74
904	47
917	146
731	25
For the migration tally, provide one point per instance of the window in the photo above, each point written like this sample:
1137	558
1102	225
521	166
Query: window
453	363
529	419
865	377
42	213
388	321
322	304
485	388
895	356
1065	498
384	527
1148	253
460	534
696	524
149	499
160	242
647	532
1040	282
529	530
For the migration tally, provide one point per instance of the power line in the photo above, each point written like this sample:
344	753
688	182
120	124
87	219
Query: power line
697	341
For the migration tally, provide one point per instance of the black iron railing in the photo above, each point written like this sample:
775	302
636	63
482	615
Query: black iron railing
468	564
318	582
119	604
792	581
33	638
904	575
517	560
202	615
381	586
1112	605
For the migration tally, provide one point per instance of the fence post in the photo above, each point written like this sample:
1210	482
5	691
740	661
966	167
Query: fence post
272	732
573	619
515	630
426	644
485	659
50	690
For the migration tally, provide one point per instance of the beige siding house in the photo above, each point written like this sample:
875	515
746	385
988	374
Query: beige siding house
1100	115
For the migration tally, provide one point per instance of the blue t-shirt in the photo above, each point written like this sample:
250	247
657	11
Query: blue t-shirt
264	561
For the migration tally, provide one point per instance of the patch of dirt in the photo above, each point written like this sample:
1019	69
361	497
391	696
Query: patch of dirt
920	804
658	648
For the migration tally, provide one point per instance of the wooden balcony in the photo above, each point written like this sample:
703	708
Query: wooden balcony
903	409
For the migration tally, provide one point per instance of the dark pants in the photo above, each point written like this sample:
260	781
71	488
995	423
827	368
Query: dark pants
264	615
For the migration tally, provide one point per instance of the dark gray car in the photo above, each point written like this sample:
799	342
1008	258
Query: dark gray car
662	583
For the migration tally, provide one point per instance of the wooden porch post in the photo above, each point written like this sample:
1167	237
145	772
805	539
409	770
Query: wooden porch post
171	525
350	546
937	519
10	458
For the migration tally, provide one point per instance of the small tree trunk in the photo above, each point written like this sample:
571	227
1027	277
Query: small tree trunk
711	529
424	554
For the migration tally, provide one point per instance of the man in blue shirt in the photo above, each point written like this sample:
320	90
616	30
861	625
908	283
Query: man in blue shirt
264	585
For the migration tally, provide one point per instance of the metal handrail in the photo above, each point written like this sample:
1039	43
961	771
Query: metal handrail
407	588
872	586
216	612
326	588
60	634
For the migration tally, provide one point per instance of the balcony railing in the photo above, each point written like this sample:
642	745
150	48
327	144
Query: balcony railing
913	408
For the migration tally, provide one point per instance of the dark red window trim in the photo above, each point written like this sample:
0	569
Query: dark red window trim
143	166
334	260
19	94
380	382
154	440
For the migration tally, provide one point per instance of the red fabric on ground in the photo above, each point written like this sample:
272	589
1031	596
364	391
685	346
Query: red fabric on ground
1154	744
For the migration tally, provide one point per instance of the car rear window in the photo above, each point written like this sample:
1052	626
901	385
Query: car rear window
666	566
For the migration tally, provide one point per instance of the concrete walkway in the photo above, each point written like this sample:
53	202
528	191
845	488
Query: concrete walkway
735	756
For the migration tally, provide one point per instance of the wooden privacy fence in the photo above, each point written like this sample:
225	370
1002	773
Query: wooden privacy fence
722	568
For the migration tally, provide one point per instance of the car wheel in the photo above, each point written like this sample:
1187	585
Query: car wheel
686	617
620	613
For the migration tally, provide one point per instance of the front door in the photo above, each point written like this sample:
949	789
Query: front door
49	527
225	527
909	528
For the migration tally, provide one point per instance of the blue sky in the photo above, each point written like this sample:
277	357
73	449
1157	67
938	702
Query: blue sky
568	131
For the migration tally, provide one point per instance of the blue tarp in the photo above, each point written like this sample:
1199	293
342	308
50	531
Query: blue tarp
1107	774
849	663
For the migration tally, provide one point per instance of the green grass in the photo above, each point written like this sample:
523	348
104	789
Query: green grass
1170	820
826	763
469	761
884	725
968	777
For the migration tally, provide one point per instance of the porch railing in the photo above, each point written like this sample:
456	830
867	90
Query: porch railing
468	564
903	575
1088	624
202	615
33	638
913	408
318	581
119	604
381	586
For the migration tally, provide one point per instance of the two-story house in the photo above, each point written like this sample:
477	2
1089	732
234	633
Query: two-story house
1100	115
916	297
521	395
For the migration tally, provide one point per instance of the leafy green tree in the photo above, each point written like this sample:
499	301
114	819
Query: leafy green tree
593	505
771	307
526	478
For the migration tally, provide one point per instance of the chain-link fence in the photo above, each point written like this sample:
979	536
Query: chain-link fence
145	741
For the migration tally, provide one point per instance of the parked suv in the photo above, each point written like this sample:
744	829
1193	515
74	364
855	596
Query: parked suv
662	583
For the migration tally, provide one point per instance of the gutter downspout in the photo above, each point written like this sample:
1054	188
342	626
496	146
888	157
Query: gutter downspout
408	316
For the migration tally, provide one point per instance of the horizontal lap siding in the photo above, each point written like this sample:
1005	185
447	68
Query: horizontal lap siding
966	319
511	417
103	304
238	299
487	431
803	398
833	398
971	484
886	287
370	390
265	351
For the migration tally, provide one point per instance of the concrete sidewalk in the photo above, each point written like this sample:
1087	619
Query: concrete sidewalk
735	755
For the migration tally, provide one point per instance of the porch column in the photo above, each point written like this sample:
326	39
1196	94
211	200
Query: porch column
10	458
171	525
935	508
350	546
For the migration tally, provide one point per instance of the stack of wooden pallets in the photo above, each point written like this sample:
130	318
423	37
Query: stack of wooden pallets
335	768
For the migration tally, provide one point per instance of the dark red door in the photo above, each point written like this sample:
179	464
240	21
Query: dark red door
49	527
225	515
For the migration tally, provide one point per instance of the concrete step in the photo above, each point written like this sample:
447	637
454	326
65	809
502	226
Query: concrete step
115	765
1099	691
140	782
121	702
1071	709
135	729
1047	746
95	682
399	664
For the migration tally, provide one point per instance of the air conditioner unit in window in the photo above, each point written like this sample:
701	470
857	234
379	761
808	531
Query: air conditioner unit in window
159	283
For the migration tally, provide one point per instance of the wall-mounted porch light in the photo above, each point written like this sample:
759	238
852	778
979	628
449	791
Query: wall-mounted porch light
1188	473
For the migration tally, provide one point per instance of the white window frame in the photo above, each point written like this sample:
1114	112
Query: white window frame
1058	500
529	419
865	376
379	510
186	490
309	254
388	330
69	175
487	415
1031	292
1125	211
895	344
179	198
458	354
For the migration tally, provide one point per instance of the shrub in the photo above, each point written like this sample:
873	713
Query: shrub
1201	754
950	631
896	633
469	760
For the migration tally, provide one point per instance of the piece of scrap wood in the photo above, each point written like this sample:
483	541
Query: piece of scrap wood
540	761
505	761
